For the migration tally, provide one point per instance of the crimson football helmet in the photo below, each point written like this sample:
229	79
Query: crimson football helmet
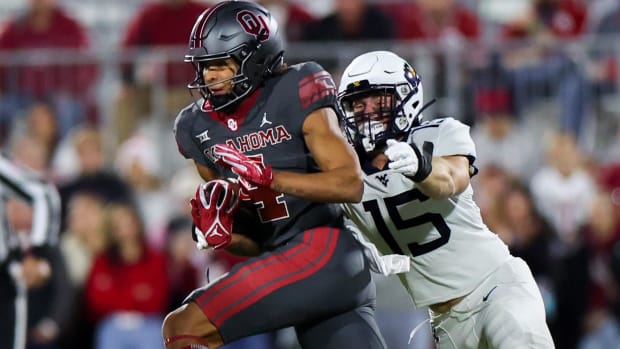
383	74
243	31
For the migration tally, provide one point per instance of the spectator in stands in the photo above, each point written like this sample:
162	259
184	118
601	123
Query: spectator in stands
602	237
293	17
351	20
48	304
434	20
182	272
562	189
539	64
42	124
529	236
447	25
80	243
608	178
158	25
93	174
127	289
556	18
492	184
501	139
61	78
137	162
604	73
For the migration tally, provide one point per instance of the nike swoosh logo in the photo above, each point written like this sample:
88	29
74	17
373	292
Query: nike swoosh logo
484	299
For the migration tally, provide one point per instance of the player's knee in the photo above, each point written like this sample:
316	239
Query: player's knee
173	322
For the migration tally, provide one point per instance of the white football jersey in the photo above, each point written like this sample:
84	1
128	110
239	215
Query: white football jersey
450	248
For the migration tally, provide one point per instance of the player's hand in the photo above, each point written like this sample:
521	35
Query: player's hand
213	209
406	158
35	271
249	169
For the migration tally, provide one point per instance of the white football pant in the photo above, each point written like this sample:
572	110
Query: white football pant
505	311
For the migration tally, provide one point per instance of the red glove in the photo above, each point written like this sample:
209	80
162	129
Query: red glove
213	209
252	170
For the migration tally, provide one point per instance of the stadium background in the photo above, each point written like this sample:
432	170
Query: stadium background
519	121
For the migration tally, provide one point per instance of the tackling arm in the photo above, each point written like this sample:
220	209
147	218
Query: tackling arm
449	176
437	177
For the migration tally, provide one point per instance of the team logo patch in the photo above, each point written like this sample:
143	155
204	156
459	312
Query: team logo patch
254	24
232	124
383	179
203	137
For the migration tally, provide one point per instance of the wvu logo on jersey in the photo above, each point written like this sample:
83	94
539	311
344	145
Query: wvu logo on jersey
383	178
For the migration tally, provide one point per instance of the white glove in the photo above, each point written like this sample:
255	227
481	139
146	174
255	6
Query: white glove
403	158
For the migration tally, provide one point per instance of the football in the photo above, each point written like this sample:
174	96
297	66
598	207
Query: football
246	220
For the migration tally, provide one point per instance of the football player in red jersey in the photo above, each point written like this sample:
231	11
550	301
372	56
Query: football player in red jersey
273	128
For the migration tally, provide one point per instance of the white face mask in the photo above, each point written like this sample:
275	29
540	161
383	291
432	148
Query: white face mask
368	132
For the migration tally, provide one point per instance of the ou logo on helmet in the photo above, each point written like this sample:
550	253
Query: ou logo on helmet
253	24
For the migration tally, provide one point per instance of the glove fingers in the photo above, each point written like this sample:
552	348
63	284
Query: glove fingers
228	154
395	165
394	151
399	164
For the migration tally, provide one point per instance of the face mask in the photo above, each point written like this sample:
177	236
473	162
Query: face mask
368	133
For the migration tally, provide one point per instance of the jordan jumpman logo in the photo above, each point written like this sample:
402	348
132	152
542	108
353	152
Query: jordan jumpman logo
265	121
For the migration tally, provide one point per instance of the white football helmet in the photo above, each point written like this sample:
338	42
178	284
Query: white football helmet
380	73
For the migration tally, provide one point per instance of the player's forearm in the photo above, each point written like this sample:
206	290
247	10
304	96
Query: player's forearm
337	185
241	245
440	183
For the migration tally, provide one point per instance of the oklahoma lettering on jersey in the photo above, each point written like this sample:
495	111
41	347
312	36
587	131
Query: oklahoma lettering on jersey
450	248
260	139
267	126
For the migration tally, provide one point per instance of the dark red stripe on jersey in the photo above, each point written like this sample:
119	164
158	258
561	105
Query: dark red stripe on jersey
279	275
252	267
314	87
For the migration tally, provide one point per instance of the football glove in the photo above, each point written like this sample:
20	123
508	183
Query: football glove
213	210
253	171
406	158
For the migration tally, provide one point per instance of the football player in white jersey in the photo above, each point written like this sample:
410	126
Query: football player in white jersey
418	202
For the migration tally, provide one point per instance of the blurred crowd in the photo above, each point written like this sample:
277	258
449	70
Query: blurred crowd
539	90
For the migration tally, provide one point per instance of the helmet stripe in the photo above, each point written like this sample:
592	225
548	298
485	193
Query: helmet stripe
201	23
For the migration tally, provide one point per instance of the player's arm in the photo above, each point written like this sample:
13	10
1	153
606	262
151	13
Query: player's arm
205	172
242	245
341	177
449	176
437	177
